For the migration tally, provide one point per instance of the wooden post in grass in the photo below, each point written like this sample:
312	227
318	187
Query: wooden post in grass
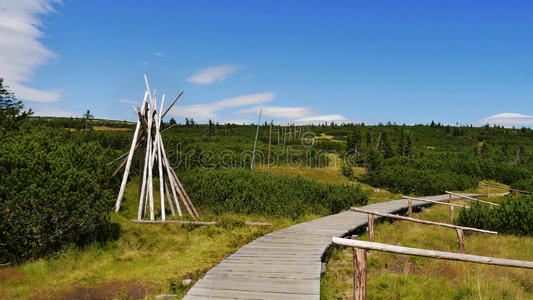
461	240
450	198
451	214
371	227
515	193
410	210
255	142
278	135
359	272
488	191
269	142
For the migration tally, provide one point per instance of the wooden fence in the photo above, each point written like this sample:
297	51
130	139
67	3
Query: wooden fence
460	229
515	191
360	250
471	198
451	205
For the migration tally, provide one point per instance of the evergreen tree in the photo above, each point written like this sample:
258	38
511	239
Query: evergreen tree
401	143
385	146
12	111
87	116
172	122
187	123
408	145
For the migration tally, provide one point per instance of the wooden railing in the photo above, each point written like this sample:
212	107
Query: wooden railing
451	205
360	251
460	229
471	198
515	191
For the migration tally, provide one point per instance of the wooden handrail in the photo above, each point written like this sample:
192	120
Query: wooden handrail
420	221
471	198
433	253
436	202
505	188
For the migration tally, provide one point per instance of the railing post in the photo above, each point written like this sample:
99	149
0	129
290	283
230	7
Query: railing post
488	191
410	211
359	273
461	240
450	198
515	193
370	227
451	214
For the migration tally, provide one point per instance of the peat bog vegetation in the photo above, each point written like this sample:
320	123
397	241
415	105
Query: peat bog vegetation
60	239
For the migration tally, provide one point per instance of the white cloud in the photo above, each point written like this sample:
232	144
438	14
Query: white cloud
213	74
20	50
283	112
126	100
508	120
204	112
160	54
51	110
322	118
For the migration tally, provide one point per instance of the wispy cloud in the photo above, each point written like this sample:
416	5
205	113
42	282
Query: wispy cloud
126	100
204	112
50	110
21	52
322	118
508	120
297	114
160	54
213	74
283	112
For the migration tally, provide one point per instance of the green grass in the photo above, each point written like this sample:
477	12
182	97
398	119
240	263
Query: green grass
147	259
393	276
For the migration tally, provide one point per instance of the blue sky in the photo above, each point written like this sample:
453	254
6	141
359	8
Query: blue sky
302	61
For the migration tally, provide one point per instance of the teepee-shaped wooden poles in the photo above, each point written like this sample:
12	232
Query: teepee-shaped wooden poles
148	133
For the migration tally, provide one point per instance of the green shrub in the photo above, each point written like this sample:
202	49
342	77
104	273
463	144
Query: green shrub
248	192
523	184
514	216
53	192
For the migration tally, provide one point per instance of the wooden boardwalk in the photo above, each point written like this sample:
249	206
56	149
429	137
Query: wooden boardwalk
286	264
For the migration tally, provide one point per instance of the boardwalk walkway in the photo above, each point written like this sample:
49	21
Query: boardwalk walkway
285	264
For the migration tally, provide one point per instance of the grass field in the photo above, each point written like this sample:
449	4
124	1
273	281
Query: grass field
146	259
393	276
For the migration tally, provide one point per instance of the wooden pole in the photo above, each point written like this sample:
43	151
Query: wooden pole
451	214
450	198
371	227
269	142
461	240
167	167
169	200
278	136
128	162
160	161
433	253
255	142
359	272
410	210
150	160
488	191
170	106
284	135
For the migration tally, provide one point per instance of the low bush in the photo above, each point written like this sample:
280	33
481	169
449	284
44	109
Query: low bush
53	192
514	216
523	184
248	192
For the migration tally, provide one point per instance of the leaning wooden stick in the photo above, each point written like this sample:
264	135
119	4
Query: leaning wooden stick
170	106
169	200
167	167
160	162
128	163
